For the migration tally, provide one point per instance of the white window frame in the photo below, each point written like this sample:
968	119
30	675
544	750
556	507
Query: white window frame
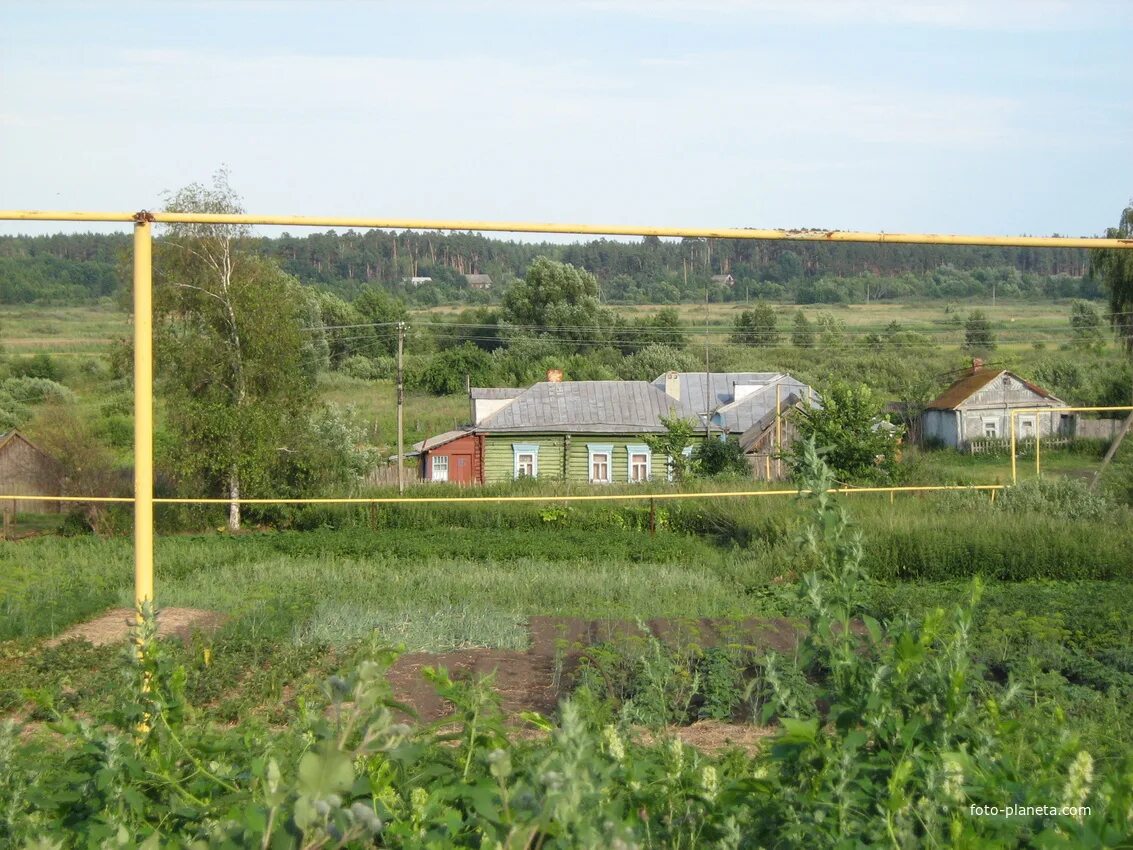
991	422
593	450
442	460
1033	421
521	449
638	449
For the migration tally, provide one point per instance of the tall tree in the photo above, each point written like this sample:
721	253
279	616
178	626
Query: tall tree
558	301
757	326
1085	324
229	348
802	331
977	332
1115	267
381	311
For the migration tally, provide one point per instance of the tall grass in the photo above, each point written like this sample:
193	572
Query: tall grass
505	563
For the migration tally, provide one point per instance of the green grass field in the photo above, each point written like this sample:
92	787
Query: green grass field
438	578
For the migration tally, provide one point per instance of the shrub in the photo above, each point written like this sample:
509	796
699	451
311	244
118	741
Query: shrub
35	390
1067	498
359	366
36	366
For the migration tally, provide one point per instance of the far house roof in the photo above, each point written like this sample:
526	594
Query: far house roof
737	400
585	407
975	380
440	439
495	392
479	280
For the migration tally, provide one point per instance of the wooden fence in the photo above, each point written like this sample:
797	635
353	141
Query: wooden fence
1023	447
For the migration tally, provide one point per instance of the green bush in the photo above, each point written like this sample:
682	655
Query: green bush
1067	498
36	366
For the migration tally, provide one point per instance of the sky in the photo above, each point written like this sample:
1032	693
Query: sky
961	116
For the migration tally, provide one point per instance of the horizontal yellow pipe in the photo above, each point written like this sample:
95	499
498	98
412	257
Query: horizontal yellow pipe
809	235
392	500
1125	408
63	215
22	498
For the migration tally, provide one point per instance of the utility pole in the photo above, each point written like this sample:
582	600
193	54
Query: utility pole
707	372
400	408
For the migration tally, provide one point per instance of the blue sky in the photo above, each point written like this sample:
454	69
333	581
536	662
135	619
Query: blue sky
980	116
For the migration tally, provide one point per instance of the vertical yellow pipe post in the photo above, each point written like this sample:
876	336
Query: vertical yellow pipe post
778	433
1038	436
1014	476
143	411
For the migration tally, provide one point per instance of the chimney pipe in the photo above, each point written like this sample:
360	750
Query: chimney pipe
673	385
977	364
554	376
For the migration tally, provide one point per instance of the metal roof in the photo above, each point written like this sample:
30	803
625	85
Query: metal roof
581	407
976	379
495	392
738	416
734	416
720	386
440	439
765	420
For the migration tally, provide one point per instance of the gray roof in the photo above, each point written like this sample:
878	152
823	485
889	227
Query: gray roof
733	416
766	419
590	407
440	439
495	392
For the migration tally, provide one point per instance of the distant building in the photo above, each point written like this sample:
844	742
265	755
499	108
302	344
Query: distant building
725	279
749	406
479	281
26	469
979	405
417	281
594	430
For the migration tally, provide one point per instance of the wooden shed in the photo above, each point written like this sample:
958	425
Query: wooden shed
455	456
27	469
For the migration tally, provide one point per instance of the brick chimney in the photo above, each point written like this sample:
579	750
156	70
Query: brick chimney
554	376
673	385
977	364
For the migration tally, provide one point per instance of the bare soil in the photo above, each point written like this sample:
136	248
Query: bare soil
114	626
526	681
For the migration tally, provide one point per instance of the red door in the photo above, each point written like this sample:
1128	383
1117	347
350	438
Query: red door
460	470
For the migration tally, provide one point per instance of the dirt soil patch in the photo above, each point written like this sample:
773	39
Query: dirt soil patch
114	626
534	680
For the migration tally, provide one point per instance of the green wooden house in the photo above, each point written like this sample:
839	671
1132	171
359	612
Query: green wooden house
578	431
594	431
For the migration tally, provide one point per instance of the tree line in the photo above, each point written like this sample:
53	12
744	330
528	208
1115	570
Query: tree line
77	268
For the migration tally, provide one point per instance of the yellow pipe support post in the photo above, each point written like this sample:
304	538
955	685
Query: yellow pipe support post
1014	476
778	433
143	411
1038	439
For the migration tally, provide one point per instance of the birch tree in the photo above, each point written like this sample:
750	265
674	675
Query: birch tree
229	348
1115	268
